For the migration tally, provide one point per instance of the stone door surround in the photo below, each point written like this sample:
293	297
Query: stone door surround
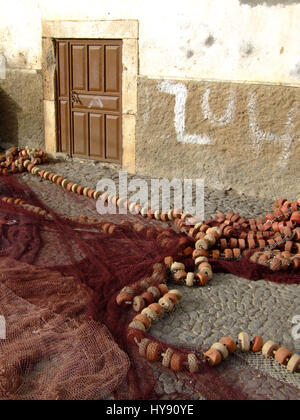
128	31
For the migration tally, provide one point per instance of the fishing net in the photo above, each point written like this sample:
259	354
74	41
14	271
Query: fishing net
48	356
66	336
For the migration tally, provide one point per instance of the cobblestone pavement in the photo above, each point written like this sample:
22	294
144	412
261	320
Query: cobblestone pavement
227	306
88	173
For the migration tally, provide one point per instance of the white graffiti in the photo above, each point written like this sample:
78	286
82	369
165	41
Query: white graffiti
296	328
2	328
96	102
259	136
208	114
180	92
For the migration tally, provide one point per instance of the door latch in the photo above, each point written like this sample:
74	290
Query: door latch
75	98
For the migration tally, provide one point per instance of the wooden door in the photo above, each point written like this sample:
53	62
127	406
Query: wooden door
89	98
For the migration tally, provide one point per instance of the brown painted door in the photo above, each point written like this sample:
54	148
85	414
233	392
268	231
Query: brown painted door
89	98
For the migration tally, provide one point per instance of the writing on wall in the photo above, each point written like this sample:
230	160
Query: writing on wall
180	92
257	135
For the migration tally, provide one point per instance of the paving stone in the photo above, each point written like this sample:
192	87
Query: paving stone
228	305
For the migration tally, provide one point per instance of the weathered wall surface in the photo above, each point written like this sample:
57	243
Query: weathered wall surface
21	88
210	96
254	3
21	109
240	136
242	40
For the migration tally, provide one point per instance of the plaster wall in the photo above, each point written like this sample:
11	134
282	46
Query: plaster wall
236	40
217	85
244	137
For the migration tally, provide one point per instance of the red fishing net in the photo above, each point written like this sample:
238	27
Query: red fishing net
66	336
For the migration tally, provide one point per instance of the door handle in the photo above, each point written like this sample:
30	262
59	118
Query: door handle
75	98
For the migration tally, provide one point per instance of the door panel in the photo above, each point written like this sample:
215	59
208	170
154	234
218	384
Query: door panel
63	85
112	64
97	136
64	126
80	134
99	103
96	61
112	137
79	67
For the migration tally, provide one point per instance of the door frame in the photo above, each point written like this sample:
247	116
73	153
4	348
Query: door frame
125	30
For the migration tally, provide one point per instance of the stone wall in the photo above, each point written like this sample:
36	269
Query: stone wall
243	137
21	109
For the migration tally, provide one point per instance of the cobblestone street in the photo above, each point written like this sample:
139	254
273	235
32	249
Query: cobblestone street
150	202
89	173
227	305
